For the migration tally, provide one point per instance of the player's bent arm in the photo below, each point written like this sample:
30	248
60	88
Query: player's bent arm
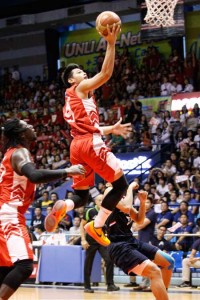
22	165
138	216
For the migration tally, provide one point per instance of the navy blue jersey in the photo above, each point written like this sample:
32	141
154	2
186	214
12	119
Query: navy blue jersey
119	226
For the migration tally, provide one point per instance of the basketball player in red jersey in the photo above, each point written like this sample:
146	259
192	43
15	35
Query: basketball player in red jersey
18	177
87	146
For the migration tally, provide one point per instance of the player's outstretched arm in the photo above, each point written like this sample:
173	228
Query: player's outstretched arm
108	65
23	165
117	129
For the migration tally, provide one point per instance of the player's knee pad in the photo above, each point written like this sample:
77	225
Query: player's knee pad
116	193
80	198
21	271
168	258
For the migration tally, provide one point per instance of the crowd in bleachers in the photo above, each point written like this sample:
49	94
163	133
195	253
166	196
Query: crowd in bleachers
177	181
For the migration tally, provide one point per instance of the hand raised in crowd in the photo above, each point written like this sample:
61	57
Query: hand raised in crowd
122	129
75	170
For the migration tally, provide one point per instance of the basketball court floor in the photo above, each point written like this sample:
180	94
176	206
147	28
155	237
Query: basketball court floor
31	292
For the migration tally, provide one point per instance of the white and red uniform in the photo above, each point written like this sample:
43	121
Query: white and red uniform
87	147
16	194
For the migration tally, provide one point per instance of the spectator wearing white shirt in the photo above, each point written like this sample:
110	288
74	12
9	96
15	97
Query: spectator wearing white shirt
74	232
165	137
162	187
131	86
169	169
154	122
188	87
184	114
191	122
165	87
175	87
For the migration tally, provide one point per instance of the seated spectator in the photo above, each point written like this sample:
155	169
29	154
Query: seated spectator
58	162
45	199
157	139
188	87
183	209
66	223
154	122
191	124
49	209
196	110
181	241
187	197
154	175
38	218
54	197
173	204
165	88
189	262
116	144
74	232
175	87
171	189
159	240
169	169
38	231
162	187
164	218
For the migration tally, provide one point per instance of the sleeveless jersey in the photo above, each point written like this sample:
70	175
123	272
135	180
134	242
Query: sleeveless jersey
81	114
15	190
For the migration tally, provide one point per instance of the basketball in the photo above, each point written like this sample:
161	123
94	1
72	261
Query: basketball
106	18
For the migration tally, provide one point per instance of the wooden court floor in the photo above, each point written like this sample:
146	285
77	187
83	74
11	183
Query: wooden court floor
27	292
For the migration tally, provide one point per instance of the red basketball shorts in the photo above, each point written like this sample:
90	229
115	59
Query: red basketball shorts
90	151
15	243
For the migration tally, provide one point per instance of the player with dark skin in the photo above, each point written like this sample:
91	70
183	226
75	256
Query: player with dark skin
18	179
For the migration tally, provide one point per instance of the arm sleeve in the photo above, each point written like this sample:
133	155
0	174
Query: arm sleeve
42	176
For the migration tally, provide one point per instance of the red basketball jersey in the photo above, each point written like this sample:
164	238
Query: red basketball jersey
15	190
81	114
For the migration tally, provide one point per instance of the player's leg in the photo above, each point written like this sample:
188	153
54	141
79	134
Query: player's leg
80	185
153	272
21	270
166	262
61	207
126	255
106	165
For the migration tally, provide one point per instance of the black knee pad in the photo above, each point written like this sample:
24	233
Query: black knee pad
114	196
80	198
21	271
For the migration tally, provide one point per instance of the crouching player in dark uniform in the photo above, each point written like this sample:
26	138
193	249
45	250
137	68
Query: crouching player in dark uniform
135	257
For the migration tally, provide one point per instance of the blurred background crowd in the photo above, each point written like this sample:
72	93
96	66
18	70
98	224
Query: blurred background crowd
174	186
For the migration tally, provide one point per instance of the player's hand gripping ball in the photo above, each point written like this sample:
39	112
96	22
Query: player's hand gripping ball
106	18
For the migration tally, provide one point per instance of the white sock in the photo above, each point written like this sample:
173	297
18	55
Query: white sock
70	204
101	218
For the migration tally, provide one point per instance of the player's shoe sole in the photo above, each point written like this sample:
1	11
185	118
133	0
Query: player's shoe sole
97	234
55	216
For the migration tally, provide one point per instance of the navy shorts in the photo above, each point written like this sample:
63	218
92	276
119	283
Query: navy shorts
128	254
